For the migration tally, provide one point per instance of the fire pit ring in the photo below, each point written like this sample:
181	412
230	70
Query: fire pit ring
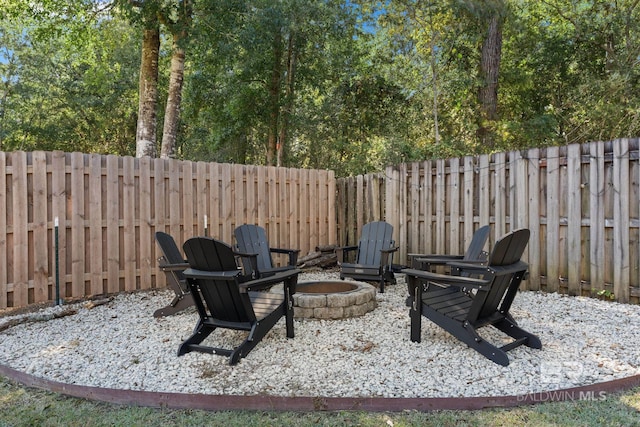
333	299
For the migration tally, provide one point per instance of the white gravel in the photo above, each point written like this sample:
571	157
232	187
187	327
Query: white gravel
120	345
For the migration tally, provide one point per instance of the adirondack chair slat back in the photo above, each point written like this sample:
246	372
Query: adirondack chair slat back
510	248
170	251
222	298
507	251
375	237
253	239
479	239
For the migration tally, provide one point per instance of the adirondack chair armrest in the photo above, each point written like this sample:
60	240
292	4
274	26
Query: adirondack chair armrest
386	254
192	273
172	267
446	279
510	269
253	259
424	261
293	254
266	282
471	266
343	250
441	259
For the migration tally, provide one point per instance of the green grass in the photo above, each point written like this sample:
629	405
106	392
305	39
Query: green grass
21	406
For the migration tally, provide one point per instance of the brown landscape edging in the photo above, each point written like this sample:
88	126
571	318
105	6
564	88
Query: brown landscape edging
208	402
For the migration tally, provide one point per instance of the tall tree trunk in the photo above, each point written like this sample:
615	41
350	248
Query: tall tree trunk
489	72
174	98
434	80
274	98
148	92
288	106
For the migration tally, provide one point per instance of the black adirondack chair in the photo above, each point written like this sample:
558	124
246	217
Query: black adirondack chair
173	264
373	255
445	300
226	298
252	239
475	253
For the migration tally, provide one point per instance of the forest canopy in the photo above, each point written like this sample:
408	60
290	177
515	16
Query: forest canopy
345	85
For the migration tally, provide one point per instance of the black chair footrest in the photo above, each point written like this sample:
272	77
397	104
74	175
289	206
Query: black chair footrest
515	343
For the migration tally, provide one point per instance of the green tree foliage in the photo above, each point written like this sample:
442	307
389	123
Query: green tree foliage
351	86
67	85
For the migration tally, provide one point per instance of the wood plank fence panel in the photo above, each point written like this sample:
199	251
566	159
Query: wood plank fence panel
484	192
360	214
187	197
331	215
78	250
533	204
95	232
158	209
272	195
440	185
553	219
40	239
252	195
413	217
214	213
453	194
173	210
574	218
394	179
59	213
426	236
314	216
500	196
621	219
239	201
469	197
113	225
145	230
19	228
129	214
596	186
400	230
283	206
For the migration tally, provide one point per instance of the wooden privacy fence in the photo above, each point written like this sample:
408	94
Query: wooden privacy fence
108	209
581	203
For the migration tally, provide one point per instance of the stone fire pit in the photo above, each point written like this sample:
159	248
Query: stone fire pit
333	299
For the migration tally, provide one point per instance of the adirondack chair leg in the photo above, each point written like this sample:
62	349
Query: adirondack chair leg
491	352
511	328
179	303
288	299
468	335
245	348
256	334
416	325
200	333
415	313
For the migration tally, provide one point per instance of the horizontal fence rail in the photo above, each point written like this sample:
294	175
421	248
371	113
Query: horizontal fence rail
108	209
581	203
